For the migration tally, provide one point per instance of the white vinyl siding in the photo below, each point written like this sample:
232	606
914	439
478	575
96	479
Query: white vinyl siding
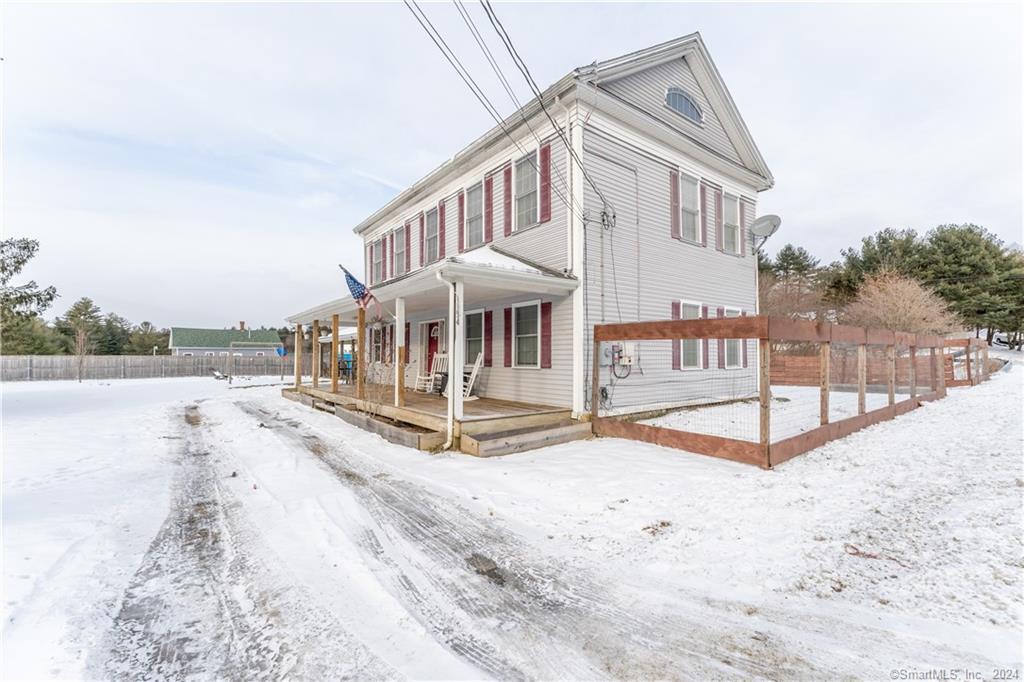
474	215
690	201
398	267
731	224
431	237
474	335
526	191
733	347
526	335
691	351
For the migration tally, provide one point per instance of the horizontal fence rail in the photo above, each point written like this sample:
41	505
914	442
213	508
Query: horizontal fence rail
67	367
762	390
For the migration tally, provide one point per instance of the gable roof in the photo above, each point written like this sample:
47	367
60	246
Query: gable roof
191	337
691	46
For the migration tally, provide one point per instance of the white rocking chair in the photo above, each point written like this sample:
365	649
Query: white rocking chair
427	383
469	378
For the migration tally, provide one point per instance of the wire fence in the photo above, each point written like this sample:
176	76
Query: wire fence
69	367
757	389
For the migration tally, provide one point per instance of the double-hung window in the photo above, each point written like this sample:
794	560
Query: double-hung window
691	355
474	335
526	191
376	344
731	225
431	236
398	237
378	260
475	215
733	347
526	335
690	225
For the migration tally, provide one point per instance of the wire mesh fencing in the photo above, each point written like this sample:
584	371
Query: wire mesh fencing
755	389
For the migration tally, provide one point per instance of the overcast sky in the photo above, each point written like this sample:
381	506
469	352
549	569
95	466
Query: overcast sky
198	165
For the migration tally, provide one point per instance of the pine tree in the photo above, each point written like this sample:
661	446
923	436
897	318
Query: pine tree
144	337
113	335
20	305
30	335
891	250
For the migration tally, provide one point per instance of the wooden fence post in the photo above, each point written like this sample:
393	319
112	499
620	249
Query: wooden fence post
984	363
764	395
30	368
890	357
913	372
595	386
933	367
967	359
824	378
862	378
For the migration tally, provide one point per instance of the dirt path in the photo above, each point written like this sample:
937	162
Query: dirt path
201	606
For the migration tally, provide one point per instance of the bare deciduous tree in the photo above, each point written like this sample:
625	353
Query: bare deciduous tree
892	301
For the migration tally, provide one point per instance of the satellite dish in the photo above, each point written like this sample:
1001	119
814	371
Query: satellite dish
765	226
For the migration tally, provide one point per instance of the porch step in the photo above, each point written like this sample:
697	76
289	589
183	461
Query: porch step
523	439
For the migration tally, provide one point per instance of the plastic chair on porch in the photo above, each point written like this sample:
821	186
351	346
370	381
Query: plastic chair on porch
427	383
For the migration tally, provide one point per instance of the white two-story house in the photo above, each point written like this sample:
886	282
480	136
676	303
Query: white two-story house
634	205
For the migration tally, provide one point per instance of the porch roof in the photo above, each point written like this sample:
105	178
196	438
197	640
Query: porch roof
488	273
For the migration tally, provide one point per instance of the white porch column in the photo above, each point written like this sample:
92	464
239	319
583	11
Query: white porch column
458	351
400	351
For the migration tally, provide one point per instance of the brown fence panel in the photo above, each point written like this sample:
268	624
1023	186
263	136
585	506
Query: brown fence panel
108	367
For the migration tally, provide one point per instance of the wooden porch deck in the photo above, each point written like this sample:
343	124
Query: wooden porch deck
430	411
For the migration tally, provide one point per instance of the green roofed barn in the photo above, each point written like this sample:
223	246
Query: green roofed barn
189	341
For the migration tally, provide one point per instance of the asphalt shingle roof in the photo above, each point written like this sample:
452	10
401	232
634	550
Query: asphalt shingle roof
187	337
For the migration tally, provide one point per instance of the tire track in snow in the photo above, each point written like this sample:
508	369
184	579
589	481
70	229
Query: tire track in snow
514	613
201	606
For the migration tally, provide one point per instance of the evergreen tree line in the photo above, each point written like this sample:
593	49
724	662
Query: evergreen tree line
962	276
82	330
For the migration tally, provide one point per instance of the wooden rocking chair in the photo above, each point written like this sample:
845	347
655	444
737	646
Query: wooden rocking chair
469	378
427	383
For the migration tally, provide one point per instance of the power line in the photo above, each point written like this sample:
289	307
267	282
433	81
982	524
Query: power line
467	78
521	65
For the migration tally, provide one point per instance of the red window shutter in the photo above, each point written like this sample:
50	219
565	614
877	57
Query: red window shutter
488	338
721	342
704	342
545	183
703	214
677	362
508	337
743	342
719	222
462	222
507	217
408	328
545	334
408	248
743	240
423	244
673	181
388	345
440	229
489	208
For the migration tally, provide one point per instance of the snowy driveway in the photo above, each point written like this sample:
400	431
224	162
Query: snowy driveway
184	529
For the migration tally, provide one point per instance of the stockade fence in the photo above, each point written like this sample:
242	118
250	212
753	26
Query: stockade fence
762	390
57	367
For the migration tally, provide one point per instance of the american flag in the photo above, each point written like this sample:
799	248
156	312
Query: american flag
359	292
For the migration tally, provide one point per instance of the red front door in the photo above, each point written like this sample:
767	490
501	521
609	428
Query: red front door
433	337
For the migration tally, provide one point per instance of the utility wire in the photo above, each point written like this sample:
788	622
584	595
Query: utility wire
467	78
521	65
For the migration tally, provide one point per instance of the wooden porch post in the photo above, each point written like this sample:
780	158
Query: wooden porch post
316	353
400	352
298	355
765	394
890	360
334	353
825	379
862	378
359	354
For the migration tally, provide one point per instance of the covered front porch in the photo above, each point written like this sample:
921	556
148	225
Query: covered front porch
374	370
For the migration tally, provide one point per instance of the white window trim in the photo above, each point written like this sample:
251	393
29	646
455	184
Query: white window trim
697	240
186	355
540	336
394	261
700	109
483	333
260	354
466	246
700	350
515	213
739	227
739	355
426	235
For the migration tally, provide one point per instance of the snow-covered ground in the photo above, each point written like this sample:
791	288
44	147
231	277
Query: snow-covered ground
185	528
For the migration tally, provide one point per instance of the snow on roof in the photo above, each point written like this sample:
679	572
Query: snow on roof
487	257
